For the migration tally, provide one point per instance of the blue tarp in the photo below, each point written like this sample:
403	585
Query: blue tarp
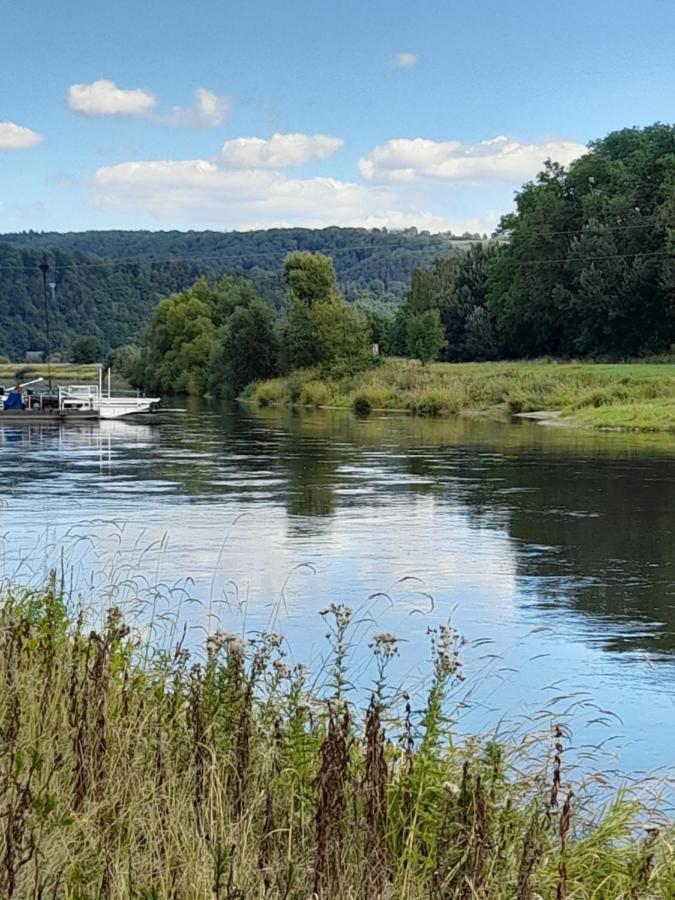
13	400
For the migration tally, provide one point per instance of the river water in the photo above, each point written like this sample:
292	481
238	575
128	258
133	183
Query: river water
552	551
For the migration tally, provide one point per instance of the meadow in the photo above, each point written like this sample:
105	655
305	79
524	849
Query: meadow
62	373
137	767
602	395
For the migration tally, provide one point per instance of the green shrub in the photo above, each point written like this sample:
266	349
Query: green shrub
314	393
268	393
361	404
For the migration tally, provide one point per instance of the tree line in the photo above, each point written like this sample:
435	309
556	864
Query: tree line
108	282
218	337
585	268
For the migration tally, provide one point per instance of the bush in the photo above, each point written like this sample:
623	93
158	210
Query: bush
314	393
268	393
361	404
431	403
292	389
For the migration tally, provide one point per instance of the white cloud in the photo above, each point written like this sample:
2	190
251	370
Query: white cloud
406	60
16	137
499	159
405	183
208	110
202	193
104	98
281	151
2	208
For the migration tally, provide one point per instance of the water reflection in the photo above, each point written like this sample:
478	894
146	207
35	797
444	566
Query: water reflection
512	526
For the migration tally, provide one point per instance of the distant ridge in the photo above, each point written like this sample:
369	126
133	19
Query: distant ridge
107	282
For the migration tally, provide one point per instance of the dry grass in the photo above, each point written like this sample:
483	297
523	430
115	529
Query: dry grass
129	772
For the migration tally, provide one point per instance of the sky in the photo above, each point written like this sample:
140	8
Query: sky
378	113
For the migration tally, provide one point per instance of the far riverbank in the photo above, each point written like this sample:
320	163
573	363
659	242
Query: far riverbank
597	395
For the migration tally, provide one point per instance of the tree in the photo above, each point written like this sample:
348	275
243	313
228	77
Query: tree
426	337
86	349
480	340
586	266
245	349
127	362
309	276
178	342
320	328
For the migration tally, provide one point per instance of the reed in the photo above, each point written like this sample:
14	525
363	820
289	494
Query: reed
133	771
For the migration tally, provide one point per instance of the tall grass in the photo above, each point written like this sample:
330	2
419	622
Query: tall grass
630	395
133	772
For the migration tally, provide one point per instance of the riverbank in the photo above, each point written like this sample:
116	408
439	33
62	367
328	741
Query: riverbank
156	771
598	395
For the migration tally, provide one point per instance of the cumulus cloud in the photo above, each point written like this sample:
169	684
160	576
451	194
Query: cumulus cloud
16	137
208	110
404	183
406	60
281	151
499	159
104	98
203	193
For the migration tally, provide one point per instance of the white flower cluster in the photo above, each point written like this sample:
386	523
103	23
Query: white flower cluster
219	639
445	643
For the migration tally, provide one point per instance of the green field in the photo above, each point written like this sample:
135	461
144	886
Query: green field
62	373
602	395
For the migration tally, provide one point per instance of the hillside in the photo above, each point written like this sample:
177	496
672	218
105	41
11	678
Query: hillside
107	282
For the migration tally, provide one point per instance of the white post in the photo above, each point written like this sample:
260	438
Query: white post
100	381
109	379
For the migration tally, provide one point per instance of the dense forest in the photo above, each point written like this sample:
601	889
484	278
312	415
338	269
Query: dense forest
587	268
108	282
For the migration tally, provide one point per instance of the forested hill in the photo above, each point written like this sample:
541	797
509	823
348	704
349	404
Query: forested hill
107	282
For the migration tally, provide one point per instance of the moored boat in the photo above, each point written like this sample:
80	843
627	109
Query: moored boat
69	403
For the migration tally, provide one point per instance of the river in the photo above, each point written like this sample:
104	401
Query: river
551	550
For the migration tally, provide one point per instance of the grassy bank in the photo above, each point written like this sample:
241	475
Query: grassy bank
629	395
134	772
63	373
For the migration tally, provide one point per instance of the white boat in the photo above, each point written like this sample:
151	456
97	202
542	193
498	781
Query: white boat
84	397
77	401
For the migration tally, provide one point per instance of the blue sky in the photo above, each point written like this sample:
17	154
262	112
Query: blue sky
311	113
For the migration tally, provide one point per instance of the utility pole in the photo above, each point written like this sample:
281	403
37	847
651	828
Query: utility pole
44	268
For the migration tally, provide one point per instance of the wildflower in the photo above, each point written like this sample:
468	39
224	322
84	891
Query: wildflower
215	642
235	645
451	788
341	612
385	645
281	669
182	656
272	639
